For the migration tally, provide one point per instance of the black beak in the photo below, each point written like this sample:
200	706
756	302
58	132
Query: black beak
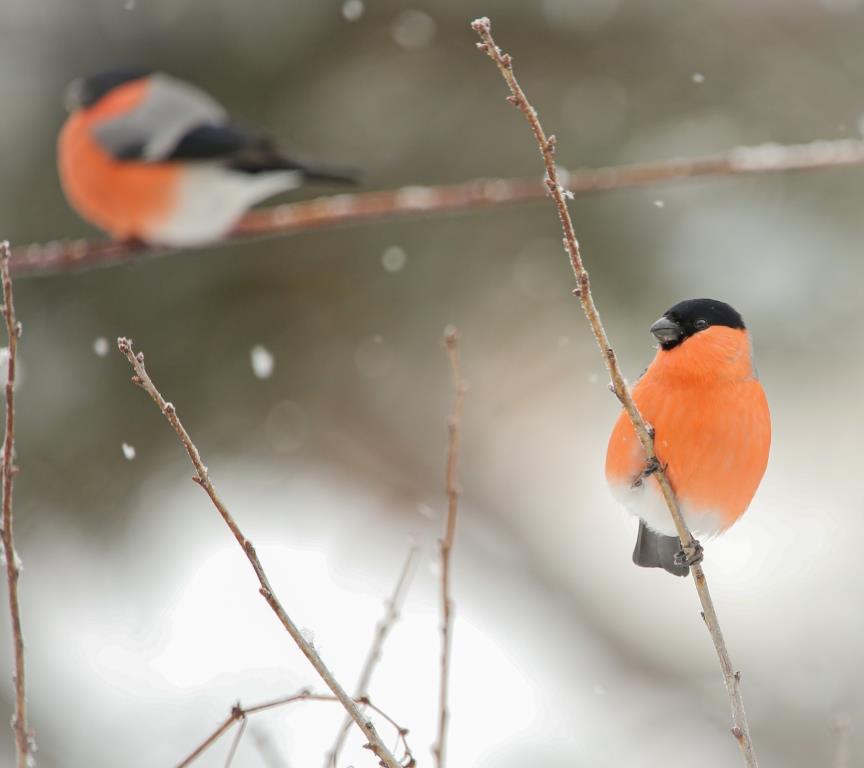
667	331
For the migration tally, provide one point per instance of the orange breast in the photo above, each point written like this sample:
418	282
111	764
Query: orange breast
711	421
125	199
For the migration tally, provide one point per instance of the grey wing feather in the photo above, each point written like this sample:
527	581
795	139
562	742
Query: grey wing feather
152	130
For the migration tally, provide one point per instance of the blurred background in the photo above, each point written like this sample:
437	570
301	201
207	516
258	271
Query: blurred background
310	372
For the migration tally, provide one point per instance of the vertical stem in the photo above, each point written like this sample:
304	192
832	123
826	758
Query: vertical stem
23	745
382	630
454	428
731	678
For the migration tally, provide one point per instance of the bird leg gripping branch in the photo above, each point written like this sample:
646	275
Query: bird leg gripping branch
740	727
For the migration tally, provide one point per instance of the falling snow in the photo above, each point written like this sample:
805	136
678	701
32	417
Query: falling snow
393	259
413	29
262	361
128	451
101	347
697	77
352	10
659	204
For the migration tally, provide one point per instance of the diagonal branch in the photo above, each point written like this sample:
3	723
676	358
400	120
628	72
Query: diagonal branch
202	478
24	746
352	209
732	679
454	428
382	630
240	714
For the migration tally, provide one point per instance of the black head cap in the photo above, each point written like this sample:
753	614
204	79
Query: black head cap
86	91
692	316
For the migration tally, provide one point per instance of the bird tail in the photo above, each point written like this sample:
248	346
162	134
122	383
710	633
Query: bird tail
329	176
654	550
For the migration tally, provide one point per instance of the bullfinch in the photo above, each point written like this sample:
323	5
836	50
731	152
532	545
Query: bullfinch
712	431
147	157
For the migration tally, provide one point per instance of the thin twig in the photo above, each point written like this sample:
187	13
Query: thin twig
240	713
24	746
382	630
202	478
236	714
454	429
339	210
236	742
732	679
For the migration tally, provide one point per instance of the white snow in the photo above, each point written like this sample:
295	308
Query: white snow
101	347
413	29
262	361
352	10
393	259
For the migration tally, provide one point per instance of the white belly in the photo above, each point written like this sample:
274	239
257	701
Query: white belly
212	200
646	502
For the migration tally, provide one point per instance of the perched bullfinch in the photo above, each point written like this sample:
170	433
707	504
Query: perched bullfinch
147	157
712	431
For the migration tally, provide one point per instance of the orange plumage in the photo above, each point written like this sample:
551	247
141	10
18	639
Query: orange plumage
711	421
148	157
125	199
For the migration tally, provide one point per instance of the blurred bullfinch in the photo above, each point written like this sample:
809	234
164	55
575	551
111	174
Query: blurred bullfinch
712	431
147	157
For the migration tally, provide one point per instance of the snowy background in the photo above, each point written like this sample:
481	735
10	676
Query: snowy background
309	371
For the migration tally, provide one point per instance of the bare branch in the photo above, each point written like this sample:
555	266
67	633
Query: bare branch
732	679
236	714
382	630
239	713
202	477
236	742
352	209
454	428
24	746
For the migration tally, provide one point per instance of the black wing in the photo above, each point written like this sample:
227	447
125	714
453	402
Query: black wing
241	150
245	151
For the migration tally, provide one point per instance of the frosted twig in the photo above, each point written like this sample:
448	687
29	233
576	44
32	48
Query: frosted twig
732	679
339	210
202	478
382	630
240	714
454	428
24	746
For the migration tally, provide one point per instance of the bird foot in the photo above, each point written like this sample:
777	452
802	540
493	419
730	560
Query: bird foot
651	466
690	555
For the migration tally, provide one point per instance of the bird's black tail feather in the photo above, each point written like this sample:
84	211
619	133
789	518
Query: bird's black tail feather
330	176
654	550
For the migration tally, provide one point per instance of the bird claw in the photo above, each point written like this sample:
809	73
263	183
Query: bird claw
651	466
690	555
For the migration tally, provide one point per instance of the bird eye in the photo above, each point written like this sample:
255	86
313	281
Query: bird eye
700	324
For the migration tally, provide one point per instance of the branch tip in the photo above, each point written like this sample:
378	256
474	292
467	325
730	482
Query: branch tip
571	246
